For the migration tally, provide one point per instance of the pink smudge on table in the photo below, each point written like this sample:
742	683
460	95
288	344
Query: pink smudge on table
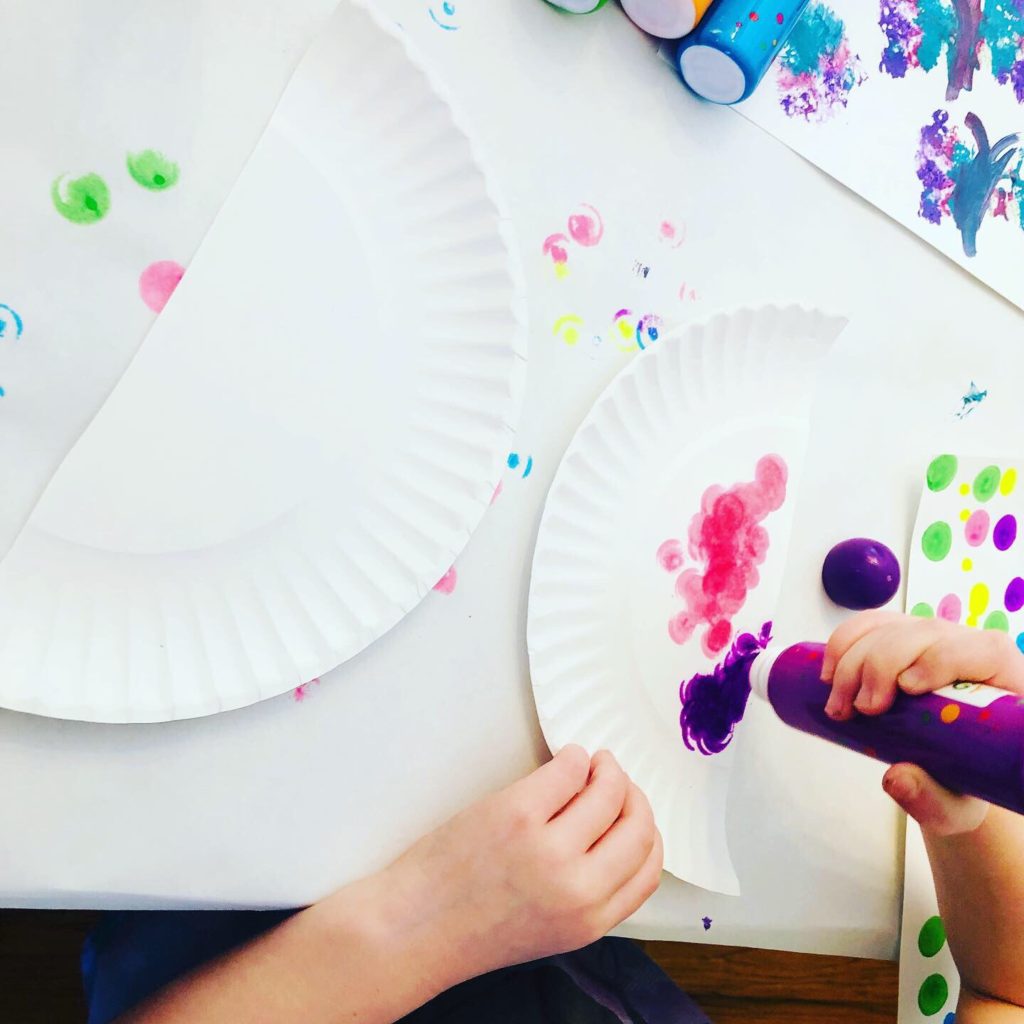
670	555
672	235
300	693
949	608
158	281
727	536
586	229
497	491
446	584
687	293
976	528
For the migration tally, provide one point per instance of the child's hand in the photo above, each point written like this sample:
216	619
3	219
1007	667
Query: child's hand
976	852
875	653
549	864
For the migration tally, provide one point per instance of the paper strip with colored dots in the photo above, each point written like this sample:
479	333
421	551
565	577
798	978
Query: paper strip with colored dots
966	560
929	982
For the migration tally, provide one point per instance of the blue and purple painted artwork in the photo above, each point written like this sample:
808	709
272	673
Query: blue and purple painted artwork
958	34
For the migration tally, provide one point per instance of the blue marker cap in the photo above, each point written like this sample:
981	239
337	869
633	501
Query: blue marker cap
734	45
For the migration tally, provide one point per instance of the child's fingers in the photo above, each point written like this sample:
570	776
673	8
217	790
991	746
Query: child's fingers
936	810
986	656
639	888
847	634
595	809
866	675
554	784
619	853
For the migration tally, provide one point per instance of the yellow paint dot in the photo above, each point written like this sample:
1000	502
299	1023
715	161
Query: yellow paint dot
571	336
561	270
626	329
978	601
950	713
965	515
967	565
1008	481
972	620
965	488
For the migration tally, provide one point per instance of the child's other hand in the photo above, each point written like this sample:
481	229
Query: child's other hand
549	864
875	653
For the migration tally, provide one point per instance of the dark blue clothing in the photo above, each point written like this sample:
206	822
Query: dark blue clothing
132	955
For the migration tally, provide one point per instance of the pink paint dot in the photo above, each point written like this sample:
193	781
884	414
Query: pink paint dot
976	528
586	229
446	584
754	16
670	555
949	608
553	246
779	18
668	229
158	281
300	693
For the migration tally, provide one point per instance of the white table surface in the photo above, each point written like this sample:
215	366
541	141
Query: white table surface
278	803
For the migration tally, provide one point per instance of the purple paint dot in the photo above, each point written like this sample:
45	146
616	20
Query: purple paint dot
976	528
1005	532
1013	601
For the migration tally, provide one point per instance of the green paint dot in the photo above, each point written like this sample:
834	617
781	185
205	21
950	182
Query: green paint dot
932	995
932	936
923	610
82	200
937	541
152	170
997	620
986	483
941	471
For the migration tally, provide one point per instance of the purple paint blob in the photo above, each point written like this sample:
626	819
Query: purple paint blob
1014	599
1005	533
713	703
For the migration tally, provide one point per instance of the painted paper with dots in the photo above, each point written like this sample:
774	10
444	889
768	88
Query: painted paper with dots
966	556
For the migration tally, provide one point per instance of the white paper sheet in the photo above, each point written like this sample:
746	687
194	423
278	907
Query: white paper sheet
850	92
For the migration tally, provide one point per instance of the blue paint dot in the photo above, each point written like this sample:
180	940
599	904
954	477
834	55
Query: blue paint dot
448	8
1020	642
529	466
513	461
950	1018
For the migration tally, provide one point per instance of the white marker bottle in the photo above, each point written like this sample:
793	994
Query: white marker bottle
666	19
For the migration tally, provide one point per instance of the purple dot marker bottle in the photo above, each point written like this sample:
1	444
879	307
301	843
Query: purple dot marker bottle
969	737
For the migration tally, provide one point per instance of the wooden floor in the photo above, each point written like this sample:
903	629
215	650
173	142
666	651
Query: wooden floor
39	982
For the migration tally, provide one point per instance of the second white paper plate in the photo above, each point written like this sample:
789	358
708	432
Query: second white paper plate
630	576
309	433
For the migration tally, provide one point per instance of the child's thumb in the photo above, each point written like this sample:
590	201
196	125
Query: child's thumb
935	809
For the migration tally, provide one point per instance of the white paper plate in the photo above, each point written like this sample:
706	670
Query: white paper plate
310	431
697	409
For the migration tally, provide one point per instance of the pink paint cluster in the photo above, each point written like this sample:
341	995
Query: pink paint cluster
727	536
300	693
585	228
446	584
158	281
670	555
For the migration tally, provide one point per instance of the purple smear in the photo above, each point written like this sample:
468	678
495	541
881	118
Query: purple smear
714	703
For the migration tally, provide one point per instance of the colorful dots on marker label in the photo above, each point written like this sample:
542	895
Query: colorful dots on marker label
986	483
936	541
932	936
950	713
779	18
941	471
1020	642
932	995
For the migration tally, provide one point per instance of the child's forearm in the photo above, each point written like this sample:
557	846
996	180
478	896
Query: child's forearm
974	1009
359	957
980	887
